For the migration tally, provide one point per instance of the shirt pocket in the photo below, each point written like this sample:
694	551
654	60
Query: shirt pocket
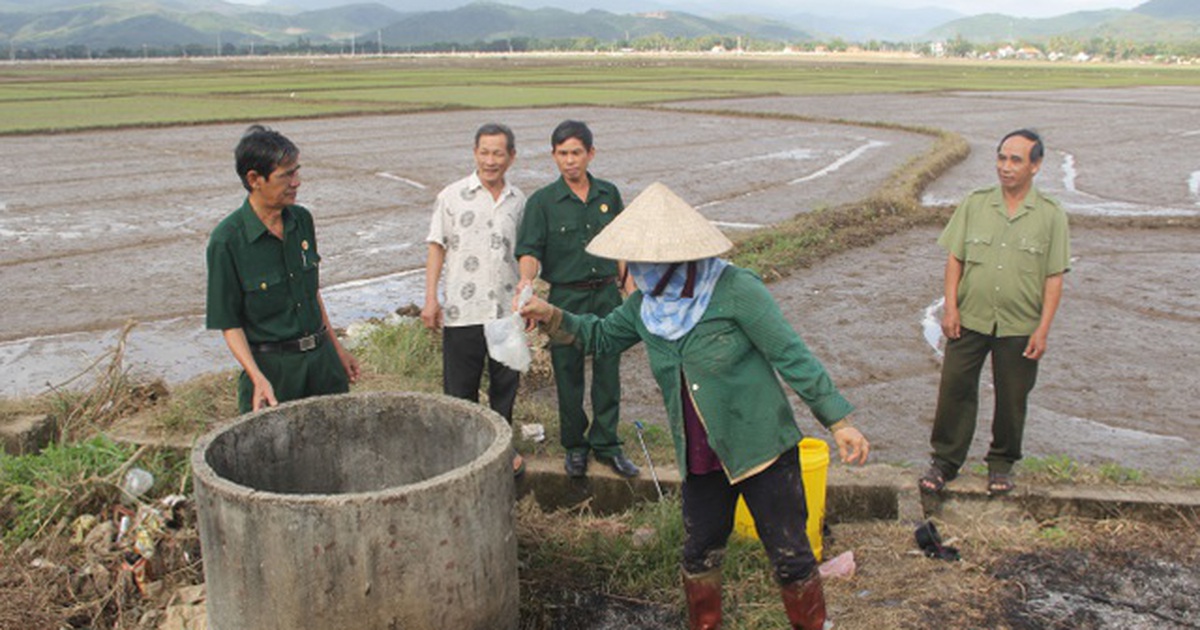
978	248
565	230
266	295
1032	252
311	271
719	348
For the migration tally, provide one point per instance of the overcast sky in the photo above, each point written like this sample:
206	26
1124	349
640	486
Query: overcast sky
1021	8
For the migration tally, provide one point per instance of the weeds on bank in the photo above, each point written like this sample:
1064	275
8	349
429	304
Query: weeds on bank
401	352
197	404
40	494
896	205
1058	468
633	556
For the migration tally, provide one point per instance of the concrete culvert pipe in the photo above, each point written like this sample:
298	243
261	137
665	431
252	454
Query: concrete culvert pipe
368	511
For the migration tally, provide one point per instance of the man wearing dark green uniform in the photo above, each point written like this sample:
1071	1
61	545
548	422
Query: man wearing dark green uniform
263	284
559	221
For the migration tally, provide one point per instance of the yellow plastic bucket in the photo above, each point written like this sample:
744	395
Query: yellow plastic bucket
814	465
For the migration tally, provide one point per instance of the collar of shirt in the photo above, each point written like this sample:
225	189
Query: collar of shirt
562	191
1028	204
474	184
254	228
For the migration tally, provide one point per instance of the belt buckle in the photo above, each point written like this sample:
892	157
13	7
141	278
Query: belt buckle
307	343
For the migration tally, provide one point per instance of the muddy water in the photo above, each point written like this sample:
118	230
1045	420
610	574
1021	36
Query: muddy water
96	228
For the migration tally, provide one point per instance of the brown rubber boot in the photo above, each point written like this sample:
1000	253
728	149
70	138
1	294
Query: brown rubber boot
703	592
804	602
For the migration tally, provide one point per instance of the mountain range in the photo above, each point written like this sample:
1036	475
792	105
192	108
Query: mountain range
136	24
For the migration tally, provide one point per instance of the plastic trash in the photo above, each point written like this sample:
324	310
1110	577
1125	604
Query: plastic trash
839	566
931	326
506	338
137	482
533	432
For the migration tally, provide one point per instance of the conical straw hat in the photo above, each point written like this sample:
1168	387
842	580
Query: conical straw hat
658	226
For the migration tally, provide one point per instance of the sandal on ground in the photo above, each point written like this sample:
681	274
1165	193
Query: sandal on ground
1000	484
933	481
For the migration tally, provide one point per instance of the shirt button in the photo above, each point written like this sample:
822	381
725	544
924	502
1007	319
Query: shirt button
695	387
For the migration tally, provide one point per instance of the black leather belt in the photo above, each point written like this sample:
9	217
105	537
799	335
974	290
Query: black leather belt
302	344
590	285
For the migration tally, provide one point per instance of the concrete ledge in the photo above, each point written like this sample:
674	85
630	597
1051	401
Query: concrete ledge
28	433
875	492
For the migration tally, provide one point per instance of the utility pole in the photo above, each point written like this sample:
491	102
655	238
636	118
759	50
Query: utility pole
379	38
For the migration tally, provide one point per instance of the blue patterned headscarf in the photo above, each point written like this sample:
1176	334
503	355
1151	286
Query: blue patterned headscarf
671	313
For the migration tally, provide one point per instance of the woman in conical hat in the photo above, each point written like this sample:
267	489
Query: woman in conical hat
716	339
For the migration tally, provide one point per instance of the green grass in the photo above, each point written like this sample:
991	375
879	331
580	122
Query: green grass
55	97
1118	474
43	492
1057	468
399	355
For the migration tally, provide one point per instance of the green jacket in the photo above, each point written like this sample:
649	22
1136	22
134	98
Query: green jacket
729	362
558	225
261	284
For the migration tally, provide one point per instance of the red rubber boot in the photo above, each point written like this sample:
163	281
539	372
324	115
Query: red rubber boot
804	602
703	592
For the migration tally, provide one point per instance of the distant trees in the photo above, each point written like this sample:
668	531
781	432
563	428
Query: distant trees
1056	47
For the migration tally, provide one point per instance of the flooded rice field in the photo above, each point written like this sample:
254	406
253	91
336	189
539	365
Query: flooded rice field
100	227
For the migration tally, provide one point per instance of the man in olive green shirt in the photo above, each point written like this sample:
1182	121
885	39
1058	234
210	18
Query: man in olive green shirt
1008	250
560	220
263	284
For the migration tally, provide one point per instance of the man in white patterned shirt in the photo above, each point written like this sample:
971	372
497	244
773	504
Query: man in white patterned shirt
471	236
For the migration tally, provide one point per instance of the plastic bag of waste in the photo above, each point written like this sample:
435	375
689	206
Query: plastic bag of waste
842	566
506	338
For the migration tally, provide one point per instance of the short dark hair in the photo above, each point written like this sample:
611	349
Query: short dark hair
496	129
261	150
1036	152
568	129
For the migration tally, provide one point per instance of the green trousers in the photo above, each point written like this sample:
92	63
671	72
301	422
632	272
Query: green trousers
296	375
958	400
568	362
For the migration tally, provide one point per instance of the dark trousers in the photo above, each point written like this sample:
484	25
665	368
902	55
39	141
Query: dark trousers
775	498
464	352
958	400
576	433
296	375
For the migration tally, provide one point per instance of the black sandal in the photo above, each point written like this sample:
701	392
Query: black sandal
1000	484
933	481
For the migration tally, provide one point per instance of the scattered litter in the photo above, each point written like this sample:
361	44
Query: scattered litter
533	432
931	326
644	536
839	566
930	542
137	482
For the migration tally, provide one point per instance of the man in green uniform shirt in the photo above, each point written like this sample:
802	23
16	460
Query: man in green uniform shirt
1008	250
559	221
263	284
